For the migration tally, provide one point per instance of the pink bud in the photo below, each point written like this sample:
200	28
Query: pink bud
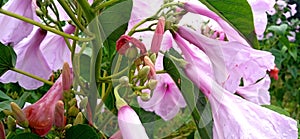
59	120
41	114
123	44
67	77
158	35
130	124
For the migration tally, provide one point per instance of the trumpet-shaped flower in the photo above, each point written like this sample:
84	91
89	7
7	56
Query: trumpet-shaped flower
30	59
14	30
231	60
55	49
41	114
257	93
166	100
233	116
130	124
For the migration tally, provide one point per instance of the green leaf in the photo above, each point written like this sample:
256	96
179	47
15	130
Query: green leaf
4	97
195	100
280	30
8	58
277	109
238	14
4	105
81	131
26	136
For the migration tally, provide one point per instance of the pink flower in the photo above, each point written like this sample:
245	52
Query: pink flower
125	42
166	100
55	49
41	114
259	9
257	93
30	59
2	131
230	63
233	116
59	120
14	30
130	124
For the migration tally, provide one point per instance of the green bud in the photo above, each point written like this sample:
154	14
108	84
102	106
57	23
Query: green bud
73	111
78	119
145	96
143	73
131	53
19	115
39	12
68	126
11	124
153	57
152	84
124	80
72	102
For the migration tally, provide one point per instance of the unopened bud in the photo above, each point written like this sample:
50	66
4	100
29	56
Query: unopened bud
124	80
73	111
2	131
39	12
72	102
143	73
67	77
131	53
153	57
19	115
78	119
145	96
152	84
59	119
11	124
68	126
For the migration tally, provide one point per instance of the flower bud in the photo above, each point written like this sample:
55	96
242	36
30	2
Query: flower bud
11	124
2	131
68	126
158	35
124	80
131	53
73	111
143	73
78	119
152	84
148	62
19	115
67	77
59	119
130	124
153	57
72	102
145	96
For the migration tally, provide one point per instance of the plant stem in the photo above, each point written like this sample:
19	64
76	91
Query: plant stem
105	4
132	31
44	27
87	10
32	76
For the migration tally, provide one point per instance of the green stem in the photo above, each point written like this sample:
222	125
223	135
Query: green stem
32	76
44	27
105	4
114	75
161	72
132	31
87	10
73	17
96	2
